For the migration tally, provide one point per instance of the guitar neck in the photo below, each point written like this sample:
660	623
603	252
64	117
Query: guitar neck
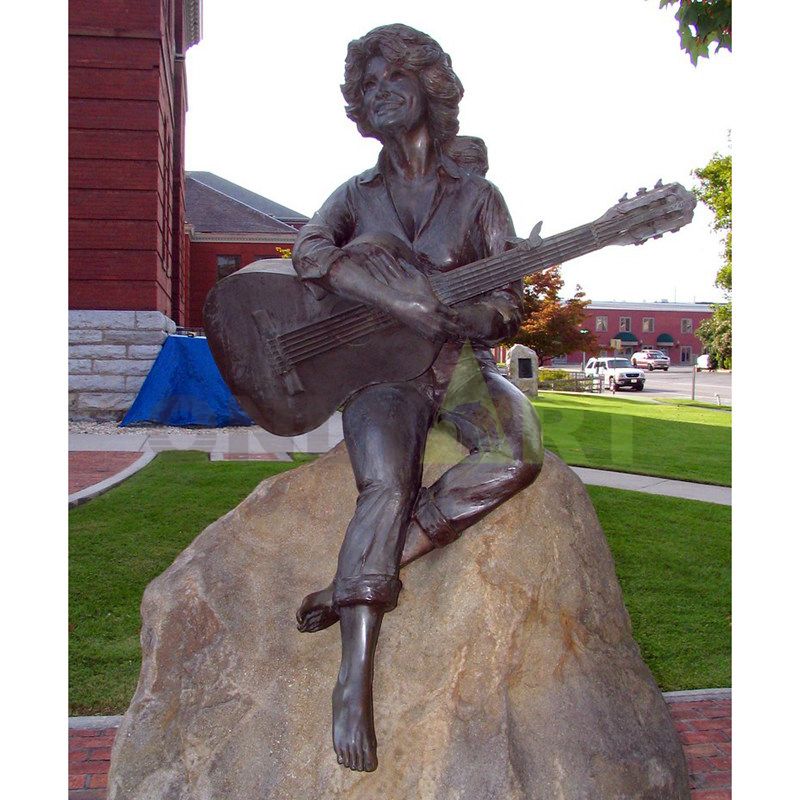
479	277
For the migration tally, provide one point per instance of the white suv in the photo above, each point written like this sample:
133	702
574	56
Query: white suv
616	372
652	359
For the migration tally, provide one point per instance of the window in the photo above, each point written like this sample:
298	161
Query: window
648	324
686	326
226	265
625	324
601	324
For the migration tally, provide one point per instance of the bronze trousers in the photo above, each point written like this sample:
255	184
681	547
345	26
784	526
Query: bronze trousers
385	429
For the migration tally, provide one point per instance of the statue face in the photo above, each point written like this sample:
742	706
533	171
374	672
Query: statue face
393	97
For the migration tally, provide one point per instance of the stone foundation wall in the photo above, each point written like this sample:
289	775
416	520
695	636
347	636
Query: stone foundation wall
110	354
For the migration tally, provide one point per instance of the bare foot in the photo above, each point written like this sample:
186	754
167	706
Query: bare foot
353	726
316	612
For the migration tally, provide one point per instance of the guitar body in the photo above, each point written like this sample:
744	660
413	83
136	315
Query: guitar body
291	360
246	314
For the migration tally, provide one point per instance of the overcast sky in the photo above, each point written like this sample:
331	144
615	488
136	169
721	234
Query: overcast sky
578	103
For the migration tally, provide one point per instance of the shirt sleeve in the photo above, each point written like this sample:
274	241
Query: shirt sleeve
498	234
318	246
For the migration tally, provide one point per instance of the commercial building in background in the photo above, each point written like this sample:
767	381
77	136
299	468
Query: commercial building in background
128	265
670	327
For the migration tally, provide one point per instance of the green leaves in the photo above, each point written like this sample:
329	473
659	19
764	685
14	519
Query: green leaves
701	23
715	191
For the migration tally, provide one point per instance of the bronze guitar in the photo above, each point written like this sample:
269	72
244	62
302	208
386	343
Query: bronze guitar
280	350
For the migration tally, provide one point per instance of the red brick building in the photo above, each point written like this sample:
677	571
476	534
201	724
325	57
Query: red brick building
229	227
128	282
127	103
665	326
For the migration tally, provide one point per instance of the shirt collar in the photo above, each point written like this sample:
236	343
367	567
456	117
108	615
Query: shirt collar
446	166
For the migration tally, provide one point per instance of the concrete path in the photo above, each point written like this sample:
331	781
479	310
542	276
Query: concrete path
257	444
663	486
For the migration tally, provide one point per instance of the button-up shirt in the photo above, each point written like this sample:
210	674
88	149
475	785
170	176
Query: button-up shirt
468	220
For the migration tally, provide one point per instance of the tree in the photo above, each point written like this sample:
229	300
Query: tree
715	192
551	326
702	23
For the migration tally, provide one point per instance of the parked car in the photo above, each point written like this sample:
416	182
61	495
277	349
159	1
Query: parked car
705	362
652	359
616	372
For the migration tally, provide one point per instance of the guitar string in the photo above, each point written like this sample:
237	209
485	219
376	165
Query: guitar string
453	290
348	330
479	267
356	325
353	325
456	288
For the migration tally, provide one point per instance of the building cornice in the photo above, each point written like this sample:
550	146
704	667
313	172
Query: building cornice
193	16
613	305
266	238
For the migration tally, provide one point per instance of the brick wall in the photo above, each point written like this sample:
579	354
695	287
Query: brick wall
126	112
203	257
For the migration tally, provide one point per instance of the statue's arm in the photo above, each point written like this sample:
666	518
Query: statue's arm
320	260
496	316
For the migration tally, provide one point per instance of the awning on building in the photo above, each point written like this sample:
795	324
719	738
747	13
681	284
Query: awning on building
627	337
665	340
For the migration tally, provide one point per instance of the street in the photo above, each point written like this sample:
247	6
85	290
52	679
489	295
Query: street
677	382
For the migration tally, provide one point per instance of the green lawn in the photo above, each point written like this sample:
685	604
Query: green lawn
674	565
671	440
674	569
121	541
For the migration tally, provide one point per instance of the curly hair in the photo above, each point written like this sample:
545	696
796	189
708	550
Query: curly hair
414	51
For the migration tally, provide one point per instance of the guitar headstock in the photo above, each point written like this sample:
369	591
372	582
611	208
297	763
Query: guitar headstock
647	215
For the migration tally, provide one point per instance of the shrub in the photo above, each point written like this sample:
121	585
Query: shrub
553	374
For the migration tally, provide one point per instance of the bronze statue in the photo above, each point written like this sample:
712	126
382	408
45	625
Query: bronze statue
402	265
400	88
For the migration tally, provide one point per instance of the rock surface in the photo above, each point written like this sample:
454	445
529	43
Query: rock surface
507	671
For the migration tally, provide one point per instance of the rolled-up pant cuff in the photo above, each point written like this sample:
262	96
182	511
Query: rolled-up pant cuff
380	590
433	523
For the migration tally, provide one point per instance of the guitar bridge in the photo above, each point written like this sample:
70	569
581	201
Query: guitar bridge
280	362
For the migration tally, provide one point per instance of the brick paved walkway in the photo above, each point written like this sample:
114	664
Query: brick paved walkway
704	727
87	468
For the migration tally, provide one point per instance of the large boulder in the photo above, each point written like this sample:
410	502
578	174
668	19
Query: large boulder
507	671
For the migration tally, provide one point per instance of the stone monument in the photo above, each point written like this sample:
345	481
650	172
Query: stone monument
523	369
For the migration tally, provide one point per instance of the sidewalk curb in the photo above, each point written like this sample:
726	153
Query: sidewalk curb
94	723
90	492
688	695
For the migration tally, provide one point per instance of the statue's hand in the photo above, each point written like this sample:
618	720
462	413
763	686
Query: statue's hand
427	316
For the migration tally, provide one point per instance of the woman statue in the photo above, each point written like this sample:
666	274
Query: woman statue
400	88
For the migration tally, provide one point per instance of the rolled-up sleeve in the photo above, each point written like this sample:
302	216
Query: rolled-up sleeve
318	246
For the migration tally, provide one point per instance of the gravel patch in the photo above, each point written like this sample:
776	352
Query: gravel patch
109	428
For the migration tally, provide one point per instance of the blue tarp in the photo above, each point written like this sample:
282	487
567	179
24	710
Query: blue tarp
184	387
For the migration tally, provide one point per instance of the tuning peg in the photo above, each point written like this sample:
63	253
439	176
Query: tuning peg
623	198
658	184
642	190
